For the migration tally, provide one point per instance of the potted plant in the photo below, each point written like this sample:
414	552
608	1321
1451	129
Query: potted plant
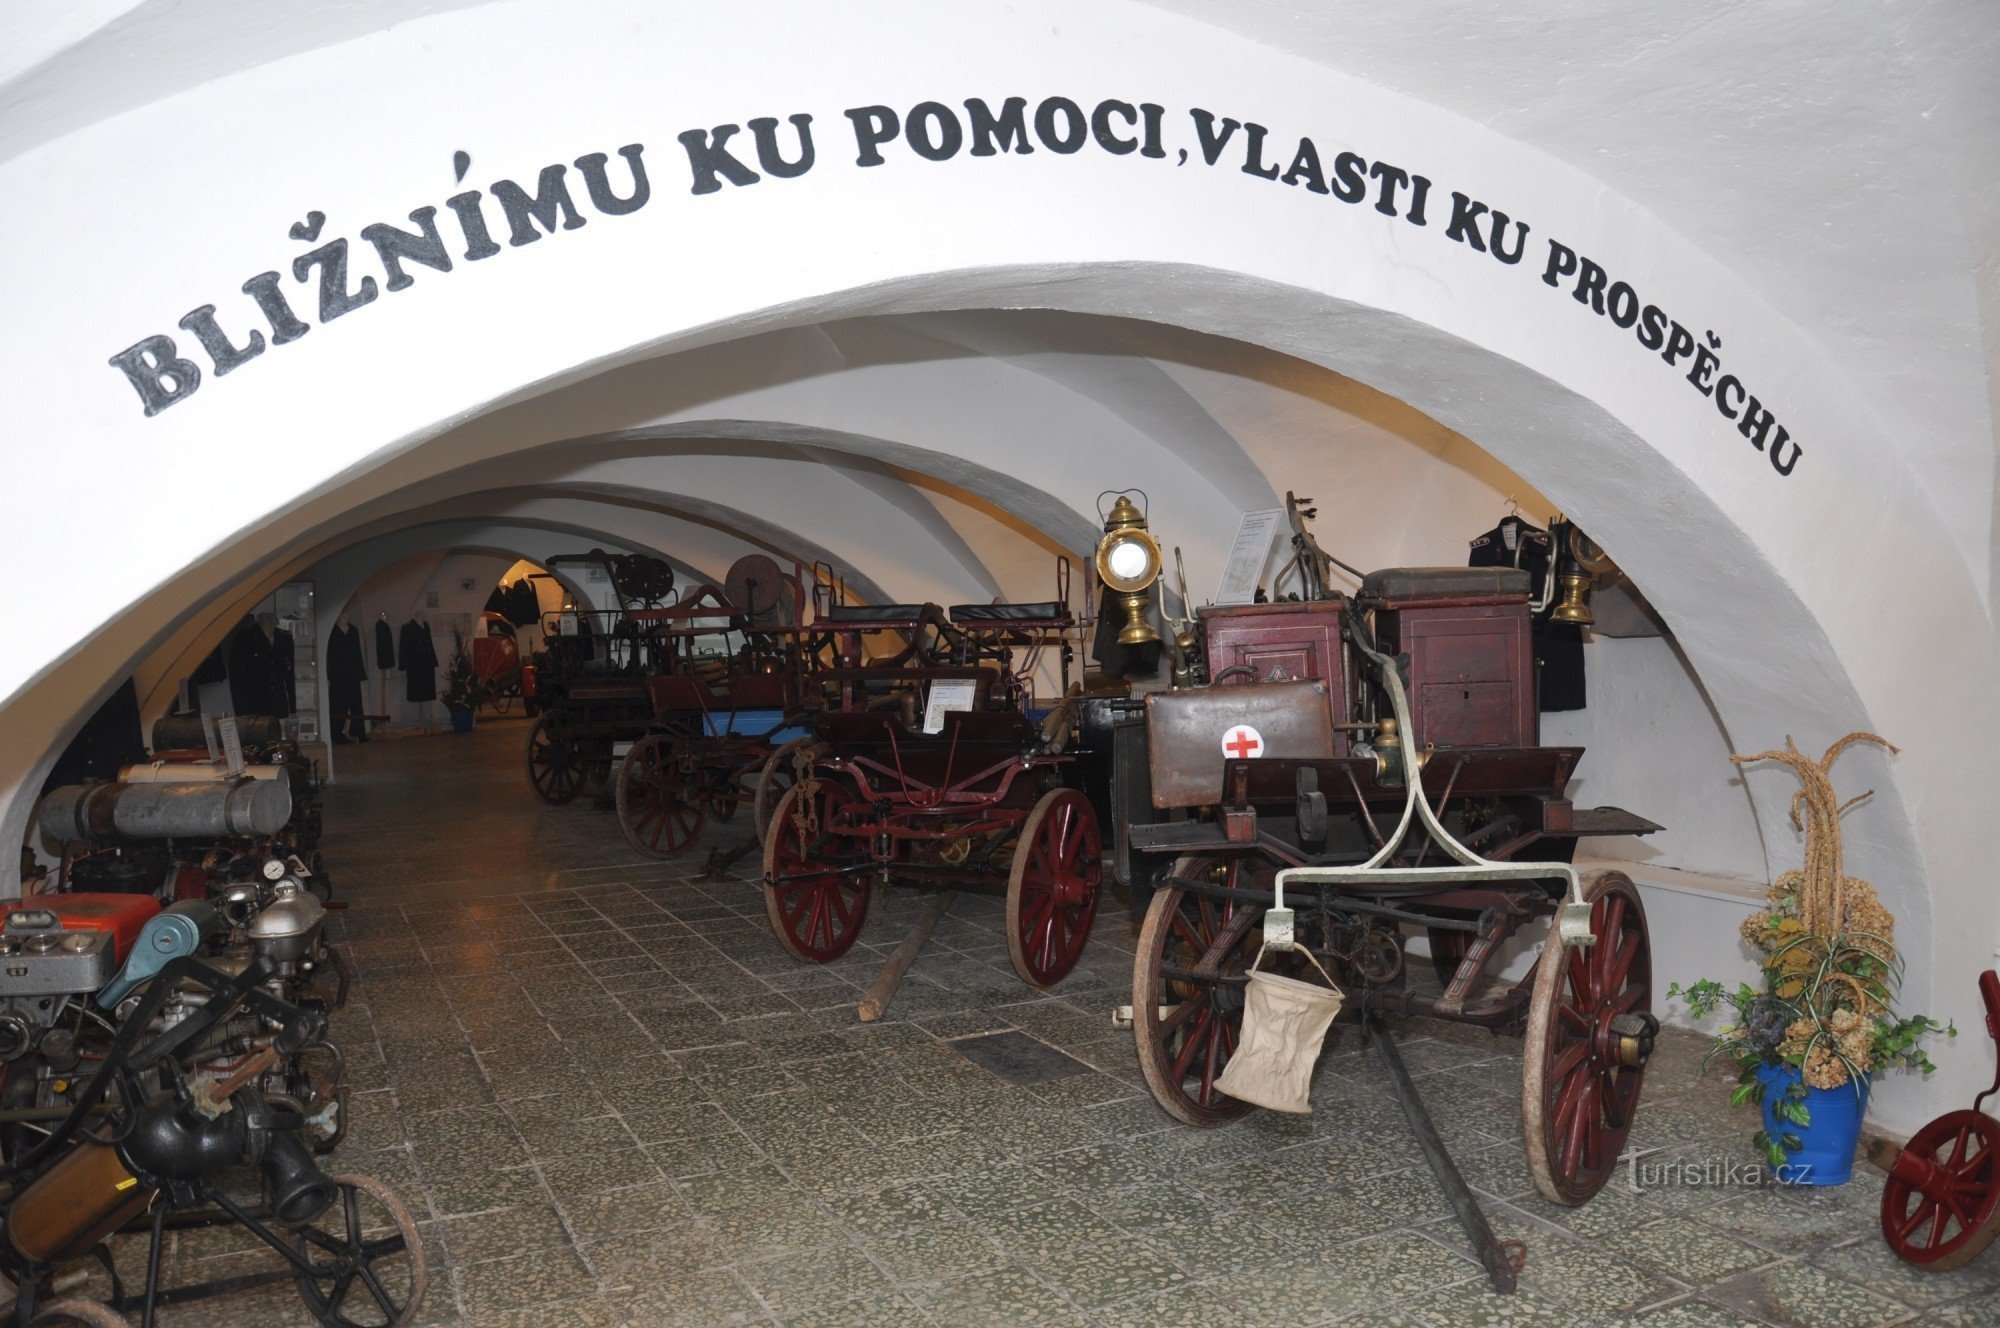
1810	1037
464	690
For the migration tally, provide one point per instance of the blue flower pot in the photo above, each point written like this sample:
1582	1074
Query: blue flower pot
461	720
1827	1145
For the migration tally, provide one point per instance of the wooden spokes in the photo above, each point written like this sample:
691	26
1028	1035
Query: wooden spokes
1589	1028
1941	1204
1052	890
555	765
661	804
1187	987
815	908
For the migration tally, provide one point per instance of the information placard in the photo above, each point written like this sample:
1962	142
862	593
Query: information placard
948	694
1248	555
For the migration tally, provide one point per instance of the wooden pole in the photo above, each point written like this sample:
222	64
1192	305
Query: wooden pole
883	989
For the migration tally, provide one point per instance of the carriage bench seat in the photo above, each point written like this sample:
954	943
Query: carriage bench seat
1423	583
1050	611
878	613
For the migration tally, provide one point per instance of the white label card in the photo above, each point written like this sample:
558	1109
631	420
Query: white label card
232	745
1248	555
949	694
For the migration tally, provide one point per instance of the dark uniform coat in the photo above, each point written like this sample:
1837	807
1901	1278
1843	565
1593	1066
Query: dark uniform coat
260	672
420	660
345	669
1558	646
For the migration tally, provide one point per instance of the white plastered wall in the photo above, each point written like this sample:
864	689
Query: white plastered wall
1784	636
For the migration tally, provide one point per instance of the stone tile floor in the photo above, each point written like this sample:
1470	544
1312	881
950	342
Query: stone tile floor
612	1099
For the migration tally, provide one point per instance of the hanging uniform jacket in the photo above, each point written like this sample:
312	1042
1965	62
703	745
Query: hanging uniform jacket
256	686
1558	646
419	656
385	646
345	668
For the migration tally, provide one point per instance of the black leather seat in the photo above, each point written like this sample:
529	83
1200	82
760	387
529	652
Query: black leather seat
866	613
969	613
1393	583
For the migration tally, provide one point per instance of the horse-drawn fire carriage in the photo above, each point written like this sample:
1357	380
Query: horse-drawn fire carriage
1360	769
721	734
590	688
592	678
932	765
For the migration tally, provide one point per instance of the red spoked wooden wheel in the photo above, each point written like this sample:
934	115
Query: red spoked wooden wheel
1941	1205
555	765
1590	1030
661	804
815	909
1186	1015
1053	888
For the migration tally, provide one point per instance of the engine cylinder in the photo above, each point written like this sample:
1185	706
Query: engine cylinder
101	812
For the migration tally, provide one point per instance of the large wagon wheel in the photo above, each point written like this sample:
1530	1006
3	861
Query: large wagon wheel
816	911
1941	1205
555	765
367	1259
1053	888
1186	1023
777	776
1590	1030
660	798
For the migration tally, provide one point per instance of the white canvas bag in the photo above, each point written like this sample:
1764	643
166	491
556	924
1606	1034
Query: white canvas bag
1284	1025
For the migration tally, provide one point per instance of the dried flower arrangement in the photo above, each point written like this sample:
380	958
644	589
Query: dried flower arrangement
1829	968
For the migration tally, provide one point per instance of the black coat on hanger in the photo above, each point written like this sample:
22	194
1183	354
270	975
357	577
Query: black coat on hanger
1558	646
260	671
385	646
346	666
419	656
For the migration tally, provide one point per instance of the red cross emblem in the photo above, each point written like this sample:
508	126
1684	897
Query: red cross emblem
1242	742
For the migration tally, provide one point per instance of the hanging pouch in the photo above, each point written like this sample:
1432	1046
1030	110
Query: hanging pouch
1284	1025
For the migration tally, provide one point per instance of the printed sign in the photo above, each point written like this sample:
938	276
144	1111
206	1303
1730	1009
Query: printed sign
949	694
232	744
1248	555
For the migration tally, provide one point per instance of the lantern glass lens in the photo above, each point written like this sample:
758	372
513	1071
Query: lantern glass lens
1128	560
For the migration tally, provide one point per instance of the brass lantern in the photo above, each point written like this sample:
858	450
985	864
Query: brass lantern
1128	561
1578	559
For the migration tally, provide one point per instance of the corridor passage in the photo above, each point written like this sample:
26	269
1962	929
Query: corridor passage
611	1098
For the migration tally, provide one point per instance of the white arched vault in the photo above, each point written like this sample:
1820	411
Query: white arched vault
1775	584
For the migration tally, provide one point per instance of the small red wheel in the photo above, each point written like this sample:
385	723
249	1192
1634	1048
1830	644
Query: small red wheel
1941	1205
555	766
1590	1030
1053	888
815	909
660	802
1186	1023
